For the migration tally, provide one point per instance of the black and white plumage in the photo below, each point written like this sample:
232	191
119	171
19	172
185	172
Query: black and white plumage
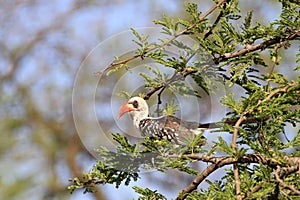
166	127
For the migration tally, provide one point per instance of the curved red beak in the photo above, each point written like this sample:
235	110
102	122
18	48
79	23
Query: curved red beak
124	109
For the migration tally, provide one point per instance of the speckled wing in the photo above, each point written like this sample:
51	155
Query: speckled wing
170	128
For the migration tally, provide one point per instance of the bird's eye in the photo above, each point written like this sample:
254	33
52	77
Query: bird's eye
135	104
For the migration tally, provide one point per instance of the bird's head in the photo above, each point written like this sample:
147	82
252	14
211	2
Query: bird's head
137	107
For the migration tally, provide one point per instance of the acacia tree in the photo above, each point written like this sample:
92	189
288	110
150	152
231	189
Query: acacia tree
263	157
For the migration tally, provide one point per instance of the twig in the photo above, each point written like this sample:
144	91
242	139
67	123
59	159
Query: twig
236	129
276	62
113	64
202	17
159	99
250	48
278	90
214	25
174	78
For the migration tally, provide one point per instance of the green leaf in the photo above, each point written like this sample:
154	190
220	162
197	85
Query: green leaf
171	108
248	19
147	194
230	102
224	147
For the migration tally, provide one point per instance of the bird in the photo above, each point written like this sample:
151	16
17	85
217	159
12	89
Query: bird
166	127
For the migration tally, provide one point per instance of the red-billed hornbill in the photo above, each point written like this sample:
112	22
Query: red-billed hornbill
165	127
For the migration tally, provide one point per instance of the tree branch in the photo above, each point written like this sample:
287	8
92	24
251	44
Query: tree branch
214	25
219	162
236	129
253	190
193	186
280	180
174	78
250	48
235	166
276	61
247	158
237	181
232	122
